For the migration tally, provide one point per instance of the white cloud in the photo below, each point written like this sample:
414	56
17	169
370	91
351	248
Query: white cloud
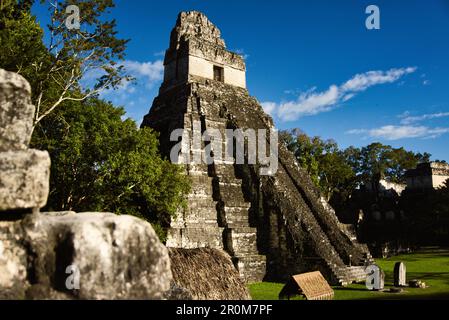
392	132
145	73
268	107
151	72
349	96
363	81
309	103
407	119
312	102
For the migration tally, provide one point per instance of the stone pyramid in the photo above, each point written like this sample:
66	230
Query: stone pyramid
273	226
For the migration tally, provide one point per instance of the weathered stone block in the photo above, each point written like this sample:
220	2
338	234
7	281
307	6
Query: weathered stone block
16	112
24	179
241	241
196	235
13	263
114	257
251	268
400	274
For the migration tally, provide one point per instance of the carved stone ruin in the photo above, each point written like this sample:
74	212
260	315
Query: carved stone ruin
400	275
272	226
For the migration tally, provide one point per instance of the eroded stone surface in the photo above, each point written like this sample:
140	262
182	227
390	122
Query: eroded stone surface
16	112
118	257
24	179
195	24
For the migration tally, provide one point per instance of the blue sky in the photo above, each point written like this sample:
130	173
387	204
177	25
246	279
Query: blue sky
314	65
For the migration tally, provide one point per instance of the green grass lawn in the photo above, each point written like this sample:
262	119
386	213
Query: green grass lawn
430	265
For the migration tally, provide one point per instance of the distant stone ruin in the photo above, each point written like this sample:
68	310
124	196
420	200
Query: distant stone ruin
272	226
430	175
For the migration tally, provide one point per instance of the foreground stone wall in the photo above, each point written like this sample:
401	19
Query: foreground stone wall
64	255
114	257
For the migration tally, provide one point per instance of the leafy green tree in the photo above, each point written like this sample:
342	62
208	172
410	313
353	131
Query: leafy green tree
377	161
336	176
103	163
75	53
20	39
304	150
55	68
323	161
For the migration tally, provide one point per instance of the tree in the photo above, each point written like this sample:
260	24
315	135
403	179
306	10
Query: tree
304	149
377	161
103	163
336	176
55	70
20	38
337	173
323	161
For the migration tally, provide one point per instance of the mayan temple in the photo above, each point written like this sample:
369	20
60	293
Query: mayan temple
272	226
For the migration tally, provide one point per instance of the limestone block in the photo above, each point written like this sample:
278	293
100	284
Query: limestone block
16	112
400	274
24	179
241	240
13	263
82	256
252	268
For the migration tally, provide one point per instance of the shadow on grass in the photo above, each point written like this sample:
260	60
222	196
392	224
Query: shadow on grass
350	289
405	296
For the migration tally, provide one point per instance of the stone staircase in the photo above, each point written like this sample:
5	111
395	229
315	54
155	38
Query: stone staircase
233	215
217	215
342	274
197	226
350	232
240	239
347	275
